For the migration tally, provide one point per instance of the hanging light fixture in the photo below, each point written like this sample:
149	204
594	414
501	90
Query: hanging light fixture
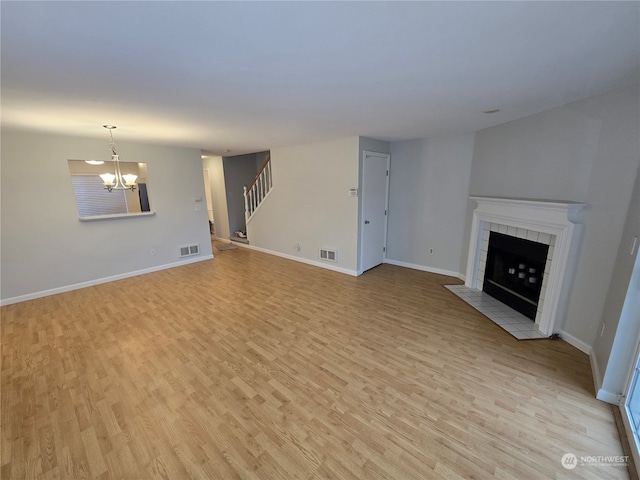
117	181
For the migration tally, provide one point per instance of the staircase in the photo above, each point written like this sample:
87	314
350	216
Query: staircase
255	193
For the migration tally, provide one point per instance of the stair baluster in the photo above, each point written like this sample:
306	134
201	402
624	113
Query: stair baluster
255	193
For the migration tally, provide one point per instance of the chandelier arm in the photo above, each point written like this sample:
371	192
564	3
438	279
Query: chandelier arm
119	182
118	175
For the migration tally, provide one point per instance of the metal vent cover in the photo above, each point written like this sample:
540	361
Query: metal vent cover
189	250
328	255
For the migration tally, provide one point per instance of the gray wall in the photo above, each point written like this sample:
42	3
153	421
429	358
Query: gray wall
615	347
586	151
45	247
261	158
429	184
239	171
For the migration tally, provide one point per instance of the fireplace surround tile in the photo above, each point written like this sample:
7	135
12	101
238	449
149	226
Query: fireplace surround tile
557	222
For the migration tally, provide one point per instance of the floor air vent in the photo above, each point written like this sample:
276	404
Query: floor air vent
189	250
329	255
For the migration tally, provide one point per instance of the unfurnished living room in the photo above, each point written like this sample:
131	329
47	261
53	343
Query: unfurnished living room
304	240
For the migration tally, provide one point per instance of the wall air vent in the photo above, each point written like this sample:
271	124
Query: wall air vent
189	250
328	255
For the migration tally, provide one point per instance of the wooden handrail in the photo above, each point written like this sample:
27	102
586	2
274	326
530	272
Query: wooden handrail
259	173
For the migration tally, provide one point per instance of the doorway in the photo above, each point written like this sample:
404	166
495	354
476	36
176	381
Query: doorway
374	205
630	407
207	194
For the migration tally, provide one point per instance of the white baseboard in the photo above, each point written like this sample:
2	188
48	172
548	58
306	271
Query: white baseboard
579	344
608	397
595	371
98	281
439	271
601	394
299	259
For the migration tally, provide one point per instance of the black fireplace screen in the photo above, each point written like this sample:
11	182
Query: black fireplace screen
514	271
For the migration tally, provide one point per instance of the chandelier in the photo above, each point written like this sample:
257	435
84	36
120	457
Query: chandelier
116	180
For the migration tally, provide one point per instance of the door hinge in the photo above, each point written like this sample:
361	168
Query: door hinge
385	212
384	249
387	173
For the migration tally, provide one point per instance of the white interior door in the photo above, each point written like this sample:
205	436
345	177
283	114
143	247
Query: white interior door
373	227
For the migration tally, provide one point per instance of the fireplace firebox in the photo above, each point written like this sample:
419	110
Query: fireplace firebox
514	272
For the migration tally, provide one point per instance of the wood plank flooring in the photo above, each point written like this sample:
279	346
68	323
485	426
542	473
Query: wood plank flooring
256	367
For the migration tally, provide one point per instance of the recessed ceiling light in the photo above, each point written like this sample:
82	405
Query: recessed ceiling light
495	110
94	162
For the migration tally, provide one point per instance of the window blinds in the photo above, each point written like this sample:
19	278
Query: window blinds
93	199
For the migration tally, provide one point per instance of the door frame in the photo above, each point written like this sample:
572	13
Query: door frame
629	314
365	154
632	435
209	199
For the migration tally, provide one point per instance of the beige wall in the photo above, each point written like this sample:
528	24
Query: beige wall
218	195
310	203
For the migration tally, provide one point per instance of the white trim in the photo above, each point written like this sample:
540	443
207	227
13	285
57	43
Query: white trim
630	431
595	371
608	397
561	219
579	344
633	442
258	207
98	281
346	271
365	154
93	218
424	268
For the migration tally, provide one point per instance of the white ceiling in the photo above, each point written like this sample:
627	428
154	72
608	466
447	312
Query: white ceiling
249	76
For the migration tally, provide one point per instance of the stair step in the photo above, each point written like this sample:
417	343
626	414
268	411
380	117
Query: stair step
239	240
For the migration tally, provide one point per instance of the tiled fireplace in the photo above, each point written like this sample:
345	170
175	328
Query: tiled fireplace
555	224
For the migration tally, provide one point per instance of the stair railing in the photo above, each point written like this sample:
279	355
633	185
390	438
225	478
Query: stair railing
255	193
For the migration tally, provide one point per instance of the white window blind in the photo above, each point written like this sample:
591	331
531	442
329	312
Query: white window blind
93	199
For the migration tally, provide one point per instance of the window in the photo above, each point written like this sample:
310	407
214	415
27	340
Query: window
93	199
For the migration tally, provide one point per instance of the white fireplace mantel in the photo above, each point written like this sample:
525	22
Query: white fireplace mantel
558	218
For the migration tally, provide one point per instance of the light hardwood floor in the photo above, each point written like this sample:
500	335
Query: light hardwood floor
252	366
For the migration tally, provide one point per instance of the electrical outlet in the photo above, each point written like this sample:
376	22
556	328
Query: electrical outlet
431	251
153	252
298	247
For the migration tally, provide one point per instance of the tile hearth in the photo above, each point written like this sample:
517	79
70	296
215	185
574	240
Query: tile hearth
507	318
559	222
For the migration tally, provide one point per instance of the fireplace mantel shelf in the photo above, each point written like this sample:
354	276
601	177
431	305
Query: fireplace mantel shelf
540	212
524	200
560	219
